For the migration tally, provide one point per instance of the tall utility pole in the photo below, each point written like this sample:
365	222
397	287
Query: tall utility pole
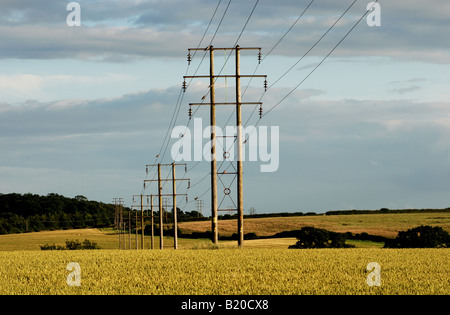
173	195
240	190
146	206
199	204
161	233
212	105
118	202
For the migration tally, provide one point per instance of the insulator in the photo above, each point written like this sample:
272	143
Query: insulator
190	112
260	112
184	86
259	57
189	58
265	85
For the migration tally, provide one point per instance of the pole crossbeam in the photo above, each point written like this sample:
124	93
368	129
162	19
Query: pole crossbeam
209	104
225	76
224	48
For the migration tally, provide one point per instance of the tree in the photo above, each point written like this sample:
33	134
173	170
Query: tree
310	237
80	198
423	236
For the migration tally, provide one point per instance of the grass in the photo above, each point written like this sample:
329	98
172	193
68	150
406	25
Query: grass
387	225
105	238
263	266
108	240
227	271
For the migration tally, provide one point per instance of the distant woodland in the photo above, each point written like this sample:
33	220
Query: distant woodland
29	213
32	213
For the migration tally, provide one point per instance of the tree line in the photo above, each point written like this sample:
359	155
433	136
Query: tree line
423	236
31	213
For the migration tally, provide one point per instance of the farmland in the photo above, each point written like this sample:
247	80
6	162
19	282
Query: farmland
263	266
387	225
227	271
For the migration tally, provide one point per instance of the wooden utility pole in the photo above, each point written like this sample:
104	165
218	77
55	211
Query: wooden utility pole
161	233
160	197
174	196
129	229
118	202
142	222
153	229
240	190
143	206
199	204
212	105
136	230
214	207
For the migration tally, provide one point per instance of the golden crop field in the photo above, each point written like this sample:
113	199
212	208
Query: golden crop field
227	271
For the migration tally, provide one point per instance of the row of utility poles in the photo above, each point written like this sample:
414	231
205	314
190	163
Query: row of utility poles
174	195
121	225
215	174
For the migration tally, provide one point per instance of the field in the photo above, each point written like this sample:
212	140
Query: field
387	225
263	266
106	238
227	271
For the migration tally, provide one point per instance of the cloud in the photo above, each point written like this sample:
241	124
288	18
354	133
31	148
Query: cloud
129	30
405	86
32	86
407	89
73	116
332	146
365	153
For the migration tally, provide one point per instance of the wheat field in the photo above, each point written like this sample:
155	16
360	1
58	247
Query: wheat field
227	271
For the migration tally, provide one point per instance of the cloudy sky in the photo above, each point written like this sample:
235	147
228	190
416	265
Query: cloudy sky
84	109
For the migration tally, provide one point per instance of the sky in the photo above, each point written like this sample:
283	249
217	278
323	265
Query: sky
363	113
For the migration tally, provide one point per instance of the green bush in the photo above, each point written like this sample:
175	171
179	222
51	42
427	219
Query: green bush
87	244
309	237
72	245
423	236
51	247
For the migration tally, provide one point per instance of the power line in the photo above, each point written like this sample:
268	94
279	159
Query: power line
315	44
322	61
223	67
301	58
287	32
179	102
315	68
177	108
266	55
